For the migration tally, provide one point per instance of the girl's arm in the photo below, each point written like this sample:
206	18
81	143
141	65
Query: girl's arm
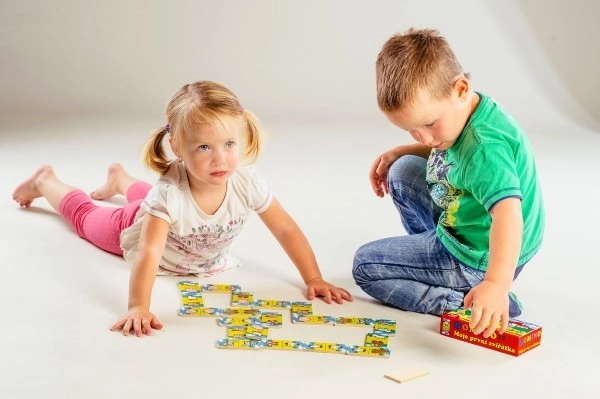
297	247
489	300
152	242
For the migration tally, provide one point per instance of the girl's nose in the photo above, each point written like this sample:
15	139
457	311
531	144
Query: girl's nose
219	157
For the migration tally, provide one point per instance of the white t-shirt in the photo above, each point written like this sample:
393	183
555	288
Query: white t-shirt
198	243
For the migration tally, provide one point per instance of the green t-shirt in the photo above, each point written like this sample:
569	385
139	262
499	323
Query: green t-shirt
491	160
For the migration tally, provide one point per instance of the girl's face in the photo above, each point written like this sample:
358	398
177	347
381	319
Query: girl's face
211	156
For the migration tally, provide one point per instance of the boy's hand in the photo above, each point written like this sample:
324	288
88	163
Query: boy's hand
319	287
488	302
138	319
379	172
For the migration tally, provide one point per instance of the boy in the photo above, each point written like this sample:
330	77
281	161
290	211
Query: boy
468	192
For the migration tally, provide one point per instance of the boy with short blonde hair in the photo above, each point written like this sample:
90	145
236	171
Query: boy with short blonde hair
468	192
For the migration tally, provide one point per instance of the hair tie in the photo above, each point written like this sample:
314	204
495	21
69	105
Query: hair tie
167	128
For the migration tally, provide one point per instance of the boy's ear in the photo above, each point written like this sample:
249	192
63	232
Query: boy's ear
462	87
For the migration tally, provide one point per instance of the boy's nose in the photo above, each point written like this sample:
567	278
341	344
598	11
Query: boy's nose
427	140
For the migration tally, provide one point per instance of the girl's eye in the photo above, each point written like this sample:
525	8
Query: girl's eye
229	144
203	147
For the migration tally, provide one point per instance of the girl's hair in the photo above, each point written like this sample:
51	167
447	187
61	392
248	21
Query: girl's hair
201	102
414	61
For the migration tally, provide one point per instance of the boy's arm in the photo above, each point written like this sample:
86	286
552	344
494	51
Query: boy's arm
381	166
152	242
297	247
489	300
419	150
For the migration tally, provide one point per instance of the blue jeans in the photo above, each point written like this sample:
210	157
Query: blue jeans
413	272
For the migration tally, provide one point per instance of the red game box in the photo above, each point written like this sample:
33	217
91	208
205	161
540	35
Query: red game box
518	338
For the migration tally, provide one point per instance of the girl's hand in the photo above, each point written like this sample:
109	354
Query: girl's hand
138	319
319	287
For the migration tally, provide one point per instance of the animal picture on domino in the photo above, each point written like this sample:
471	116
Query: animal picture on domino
254	323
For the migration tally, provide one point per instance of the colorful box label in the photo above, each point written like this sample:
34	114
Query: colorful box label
518	338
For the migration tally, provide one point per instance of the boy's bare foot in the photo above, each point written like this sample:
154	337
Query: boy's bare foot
29	190
117	182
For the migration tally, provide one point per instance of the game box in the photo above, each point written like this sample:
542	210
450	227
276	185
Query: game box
518	338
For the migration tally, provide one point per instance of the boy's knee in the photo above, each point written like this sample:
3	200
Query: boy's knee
357	261
360	258
405	168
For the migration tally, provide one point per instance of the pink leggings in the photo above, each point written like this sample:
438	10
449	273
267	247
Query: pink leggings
100	225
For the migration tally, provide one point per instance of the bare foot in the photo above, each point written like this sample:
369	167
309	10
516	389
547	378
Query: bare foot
117	182
29	190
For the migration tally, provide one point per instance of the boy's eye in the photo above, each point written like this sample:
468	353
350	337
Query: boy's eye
203	147
430	124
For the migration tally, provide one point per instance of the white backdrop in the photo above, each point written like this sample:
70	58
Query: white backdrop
299	62
82	82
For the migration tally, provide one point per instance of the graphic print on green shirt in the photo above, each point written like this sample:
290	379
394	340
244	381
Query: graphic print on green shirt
442	193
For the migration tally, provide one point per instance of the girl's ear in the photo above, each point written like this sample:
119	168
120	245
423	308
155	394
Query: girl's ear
174	147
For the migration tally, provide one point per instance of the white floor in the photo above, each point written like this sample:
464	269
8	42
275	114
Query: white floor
59	294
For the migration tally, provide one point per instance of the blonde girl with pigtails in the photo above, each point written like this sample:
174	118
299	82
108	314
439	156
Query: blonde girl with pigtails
185	223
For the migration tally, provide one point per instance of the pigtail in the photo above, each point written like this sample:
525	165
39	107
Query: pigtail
153	154
254	137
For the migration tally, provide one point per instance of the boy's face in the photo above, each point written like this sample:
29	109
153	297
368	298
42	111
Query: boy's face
437	123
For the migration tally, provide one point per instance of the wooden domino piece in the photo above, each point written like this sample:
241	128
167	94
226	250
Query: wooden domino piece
407	374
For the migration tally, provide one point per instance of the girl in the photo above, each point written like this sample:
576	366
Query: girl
186	222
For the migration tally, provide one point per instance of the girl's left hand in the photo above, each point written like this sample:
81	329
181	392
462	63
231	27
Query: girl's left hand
319	287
